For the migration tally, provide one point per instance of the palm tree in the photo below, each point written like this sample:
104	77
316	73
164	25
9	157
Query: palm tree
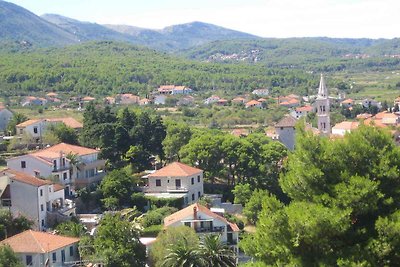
183	255
215	253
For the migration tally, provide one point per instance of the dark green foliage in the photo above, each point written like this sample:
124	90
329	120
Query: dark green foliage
15	120
64	133
71	228
162	202
117	242
139	200
8	258
10	226
127	138
344	204
116	187
105	68
152	230
156	216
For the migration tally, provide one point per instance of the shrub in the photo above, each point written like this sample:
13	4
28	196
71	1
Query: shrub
162	202
155	217
152	230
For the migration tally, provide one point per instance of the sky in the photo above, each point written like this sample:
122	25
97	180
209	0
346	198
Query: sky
265	18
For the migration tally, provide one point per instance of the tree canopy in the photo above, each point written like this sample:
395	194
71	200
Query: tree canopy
344	204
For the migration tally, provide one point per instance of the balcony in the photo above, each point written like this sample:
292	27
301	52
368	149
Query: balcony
172	189
82	182
60	169
210	229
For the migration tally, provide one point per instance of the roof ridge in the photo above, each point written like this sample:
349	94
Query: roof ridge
37	242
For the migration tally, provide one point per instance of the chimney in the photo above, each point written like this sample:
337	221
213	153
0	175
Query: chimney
194	217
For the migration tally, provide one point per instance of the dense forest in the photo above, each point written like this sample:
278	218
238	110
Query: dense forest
102	68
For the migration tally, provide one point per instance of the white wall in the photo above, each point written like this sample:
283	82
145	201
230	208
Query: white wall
186	182
40	259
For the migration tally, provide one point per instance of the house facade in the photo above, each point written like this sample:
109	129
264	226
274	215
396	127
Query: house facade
36	128
203	221
33	101
54	162
36	199
5	117
176	180
39	249
301	111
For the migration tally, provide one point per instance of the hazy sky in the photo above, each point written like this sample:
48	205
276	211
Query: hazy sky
266	18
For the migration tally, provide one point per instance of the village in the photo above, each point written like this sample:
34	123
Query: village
51	183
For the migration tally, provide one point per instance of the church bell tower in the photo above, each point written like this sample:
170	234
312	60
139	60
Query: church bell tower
322	105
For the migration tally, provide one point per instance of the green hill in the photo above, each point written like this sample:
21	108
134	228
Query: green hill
18	26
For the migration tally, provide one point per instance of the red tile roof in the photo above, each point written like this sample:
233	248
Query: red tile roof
347	125
176	169
25	178
304	109
54	151
186	212
37	242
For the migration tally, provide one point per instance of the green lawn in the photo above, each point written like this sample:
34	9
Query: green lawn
47	113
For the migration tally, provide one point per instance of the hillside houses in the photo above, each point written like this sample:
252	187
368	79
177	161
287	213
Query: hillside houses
174	90
41	201
176	180
39	249
203	221
56	162
36	128
33	101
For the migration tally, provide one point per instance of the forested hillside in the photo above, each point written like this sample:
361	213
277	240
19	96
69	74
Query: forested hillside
103	68
322	53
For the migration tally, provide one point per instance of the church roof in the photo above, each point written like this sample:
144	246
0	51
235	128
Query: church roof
287	121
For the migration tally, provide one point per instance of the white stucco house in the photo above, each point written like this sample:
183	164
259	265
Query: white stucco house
36	128
39	249
53	162
176	180
204	221
41	201
5	117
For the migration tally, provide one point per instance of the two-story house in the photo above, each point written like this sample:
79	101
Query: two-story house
176	180
41	201
36	128
204	221
73	166
39	249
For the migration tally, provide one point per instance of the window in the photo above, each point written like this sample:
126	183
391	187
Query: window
71	251
41	192
192	197
187	224
54	257
198	178
35	130
42	223
28	259
21	131
37	174
199	194
192	180
55	164
158	182
41	207
65	176
63	162
23	164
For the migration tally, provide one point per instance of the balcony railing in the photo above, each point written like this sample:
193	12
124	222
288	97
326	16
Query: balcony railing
210	229
61	168
176	189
